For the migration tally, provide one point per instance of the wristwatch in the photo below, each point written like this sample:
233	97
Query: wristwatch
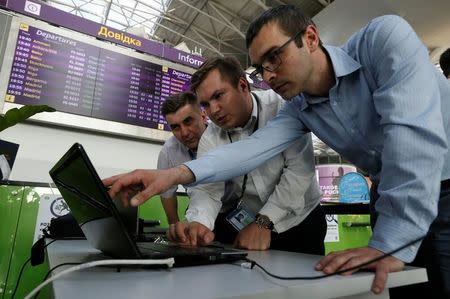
264	222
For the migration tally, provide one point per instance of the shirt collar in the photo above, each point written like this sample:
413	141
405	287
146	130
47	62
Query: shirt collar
192	154
343	65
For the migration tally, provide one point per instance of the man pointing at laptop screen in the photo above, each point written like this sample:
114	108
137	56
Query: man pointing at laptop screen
381	104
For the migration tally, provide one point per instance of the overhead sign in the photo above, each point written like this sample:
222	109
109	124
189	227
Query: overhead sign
55	16
80	78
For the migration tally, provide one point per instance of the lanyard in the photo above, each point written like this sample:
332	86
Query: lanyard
255	127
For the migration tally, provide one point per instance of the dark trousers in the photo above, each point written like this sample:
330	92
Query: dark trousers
306	237
433	254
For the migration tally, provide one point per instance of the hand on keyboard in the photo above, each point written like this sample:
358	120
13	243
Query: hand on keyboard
192	233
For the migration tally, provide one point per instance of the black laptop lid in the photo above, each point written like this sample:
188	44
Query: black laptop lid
90	204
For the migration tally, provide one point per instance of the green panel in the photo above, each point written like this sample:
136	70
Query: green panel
10	201
152	209
31	276
354	231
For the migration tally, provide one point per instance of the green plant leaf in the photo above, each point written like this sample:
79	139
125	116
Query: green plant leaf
14	115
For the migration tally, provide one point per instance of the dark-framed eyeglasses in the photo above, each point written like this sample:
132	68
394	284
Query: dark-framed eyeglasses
272	60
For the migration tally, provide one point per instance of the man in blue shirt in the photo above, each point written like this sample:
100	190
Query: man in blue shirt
381	104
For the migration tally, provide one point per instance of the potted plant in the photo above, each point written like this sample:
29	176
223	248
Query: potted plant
17	115
12	117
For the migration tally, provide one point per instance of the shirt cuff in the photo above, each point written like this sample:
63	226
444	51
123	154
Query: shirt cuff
200	217
389	235
274	212
196	172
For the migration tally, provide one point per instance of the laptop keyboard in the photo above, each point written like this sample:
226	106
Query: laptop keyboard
173	249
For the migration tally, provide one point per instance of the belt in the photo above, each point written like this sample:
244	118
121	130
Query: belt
445	184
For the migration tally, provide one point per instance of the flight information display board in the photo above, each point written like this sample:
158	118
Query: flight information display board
76	77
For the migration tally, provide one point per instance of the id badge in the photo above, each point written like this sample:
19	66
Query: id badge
240	218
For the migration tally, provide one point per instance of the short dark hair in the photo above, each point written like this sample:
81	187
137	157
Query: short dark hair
176	101
229	68
290	18
444	62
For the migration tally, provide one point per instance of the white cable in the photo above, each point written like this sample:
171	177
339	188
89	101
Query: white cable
169	262
246	265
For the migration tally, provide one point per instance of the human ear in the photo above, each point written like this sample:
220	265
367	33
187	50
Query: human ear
311	38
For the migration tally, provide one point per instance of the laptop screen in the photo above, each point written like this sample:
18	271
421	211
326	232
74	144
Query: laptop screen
90	204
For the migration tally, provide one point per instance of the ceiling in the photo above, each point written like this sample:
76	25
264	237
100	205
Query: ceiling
430	20
204	27
219	27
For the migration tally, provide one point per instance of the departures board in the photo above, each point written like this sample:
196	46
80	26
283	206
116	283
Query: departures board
82	78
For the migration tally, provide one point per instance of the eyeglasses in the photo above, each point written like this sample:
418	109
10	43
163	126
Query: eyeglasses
272	61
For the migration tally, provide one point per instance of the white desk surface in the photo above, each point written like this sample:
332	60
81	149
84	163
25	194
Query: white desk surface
213	281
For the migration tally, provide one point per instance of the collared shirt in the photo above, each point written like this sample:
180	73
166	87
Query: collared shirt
284	188
173	153
388	113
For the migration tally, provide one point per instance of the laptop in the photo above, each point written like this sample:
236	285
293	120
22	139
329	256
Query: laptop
94	210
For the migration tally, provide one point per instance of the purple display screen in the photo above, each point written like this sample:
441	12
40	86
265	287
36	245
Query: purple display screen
79	78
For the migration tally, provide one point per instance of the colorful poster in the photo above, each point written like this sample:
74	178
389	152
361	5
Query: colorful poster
329	177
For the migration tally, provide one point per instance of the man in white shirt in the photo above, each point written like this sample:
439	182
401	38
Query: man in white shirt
187	122
274	206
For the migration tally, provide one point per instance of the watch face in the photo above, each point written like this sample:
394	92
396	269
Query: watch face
264	222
